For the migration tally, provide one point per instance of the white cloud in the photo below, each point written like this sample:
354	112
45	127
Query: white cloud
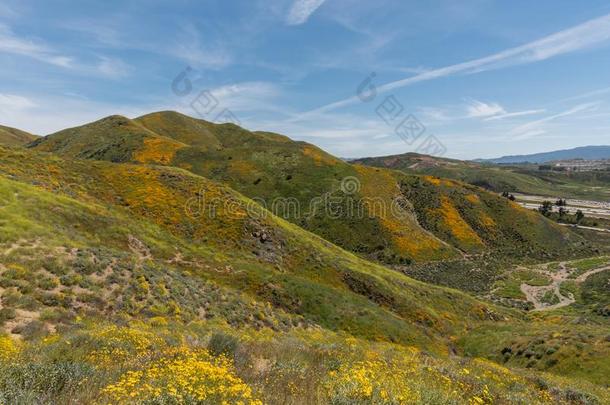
515	114
301	10
14	102
534	127
479	109
11	43
191	49
248	96
589	94
586	35
113	68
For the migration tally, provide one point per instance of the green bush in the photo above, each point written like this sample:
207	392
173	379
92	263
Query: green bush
221	343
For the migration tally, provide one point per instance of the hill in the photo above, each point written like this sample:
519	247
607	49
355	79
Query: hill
499	178
115	287
15	137
584	152
373	212
94	214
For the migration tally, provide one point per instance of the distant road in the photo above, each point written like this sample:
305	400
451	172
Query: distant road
595	209
585	227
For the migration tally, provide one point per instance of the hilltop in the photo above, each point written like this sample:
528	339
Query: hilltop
301	182
15	137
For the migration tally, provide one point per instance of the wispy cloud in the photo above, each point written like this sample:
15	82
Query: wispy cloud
113	67
479	109
14	102
533	128
589	94
247	96
191	49
515	114
13	44
301	10
586	35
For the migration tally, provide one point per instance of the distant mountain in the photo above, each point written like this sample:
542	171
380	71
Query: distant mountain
15	137
584	152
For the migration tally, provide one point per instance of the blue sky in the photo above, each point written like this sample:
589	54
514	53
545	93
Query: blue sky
482	78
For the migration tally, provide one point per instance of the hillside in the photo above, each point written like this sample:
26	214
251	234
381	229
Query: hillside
499	178
114	286
584	152
98	213
364	210
15	137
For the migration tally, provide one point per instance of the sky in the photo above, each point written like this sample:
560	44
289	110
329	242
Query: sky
464	79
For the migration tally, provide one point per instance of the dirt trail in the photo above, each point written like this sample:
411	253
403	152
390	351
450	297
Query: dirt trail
583	277
534	294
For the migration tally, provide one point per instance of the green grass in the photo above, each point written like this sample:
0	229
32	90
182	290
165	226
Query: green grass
545	344
510	285
271	168
87	243
523	179
296	272
301	366
582	266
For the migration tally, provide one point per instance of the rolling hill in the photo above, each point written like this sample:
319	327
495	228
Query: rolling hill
377	213
499	178
111	280
15	137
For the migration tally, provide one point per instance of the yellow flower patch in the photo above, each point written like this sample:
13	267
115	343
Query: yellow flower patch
184	377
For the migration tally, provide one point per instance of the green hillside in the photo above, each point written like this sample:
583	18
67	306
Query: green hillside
15	137
116	287
375	212
110	211
525	179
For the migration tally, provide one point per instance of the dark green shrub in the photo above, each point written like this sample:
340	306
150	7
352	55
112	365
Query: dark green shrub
221	343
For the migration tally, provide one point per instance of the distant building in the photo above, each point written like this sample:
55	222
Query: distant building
577	165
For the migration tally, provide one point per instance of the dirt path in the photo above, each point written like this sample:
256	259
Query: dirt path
534	294
583	277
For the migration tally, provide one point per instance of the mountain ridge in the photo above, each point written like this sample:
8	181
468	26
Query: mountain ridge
272	168
591	152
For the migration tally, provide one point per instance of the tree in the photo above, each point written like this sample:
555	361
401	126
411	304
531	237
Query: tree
506	194
580	216
546	208
563	212
561	203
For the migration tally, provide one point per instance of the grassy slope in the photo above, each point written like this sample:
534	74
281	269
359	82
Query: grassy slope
526	180
84	241
95	216
268	166
15	137
297	272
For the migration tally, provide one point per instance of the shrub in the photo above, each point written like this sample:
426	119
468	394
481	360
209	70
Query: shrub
222	344
6	314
